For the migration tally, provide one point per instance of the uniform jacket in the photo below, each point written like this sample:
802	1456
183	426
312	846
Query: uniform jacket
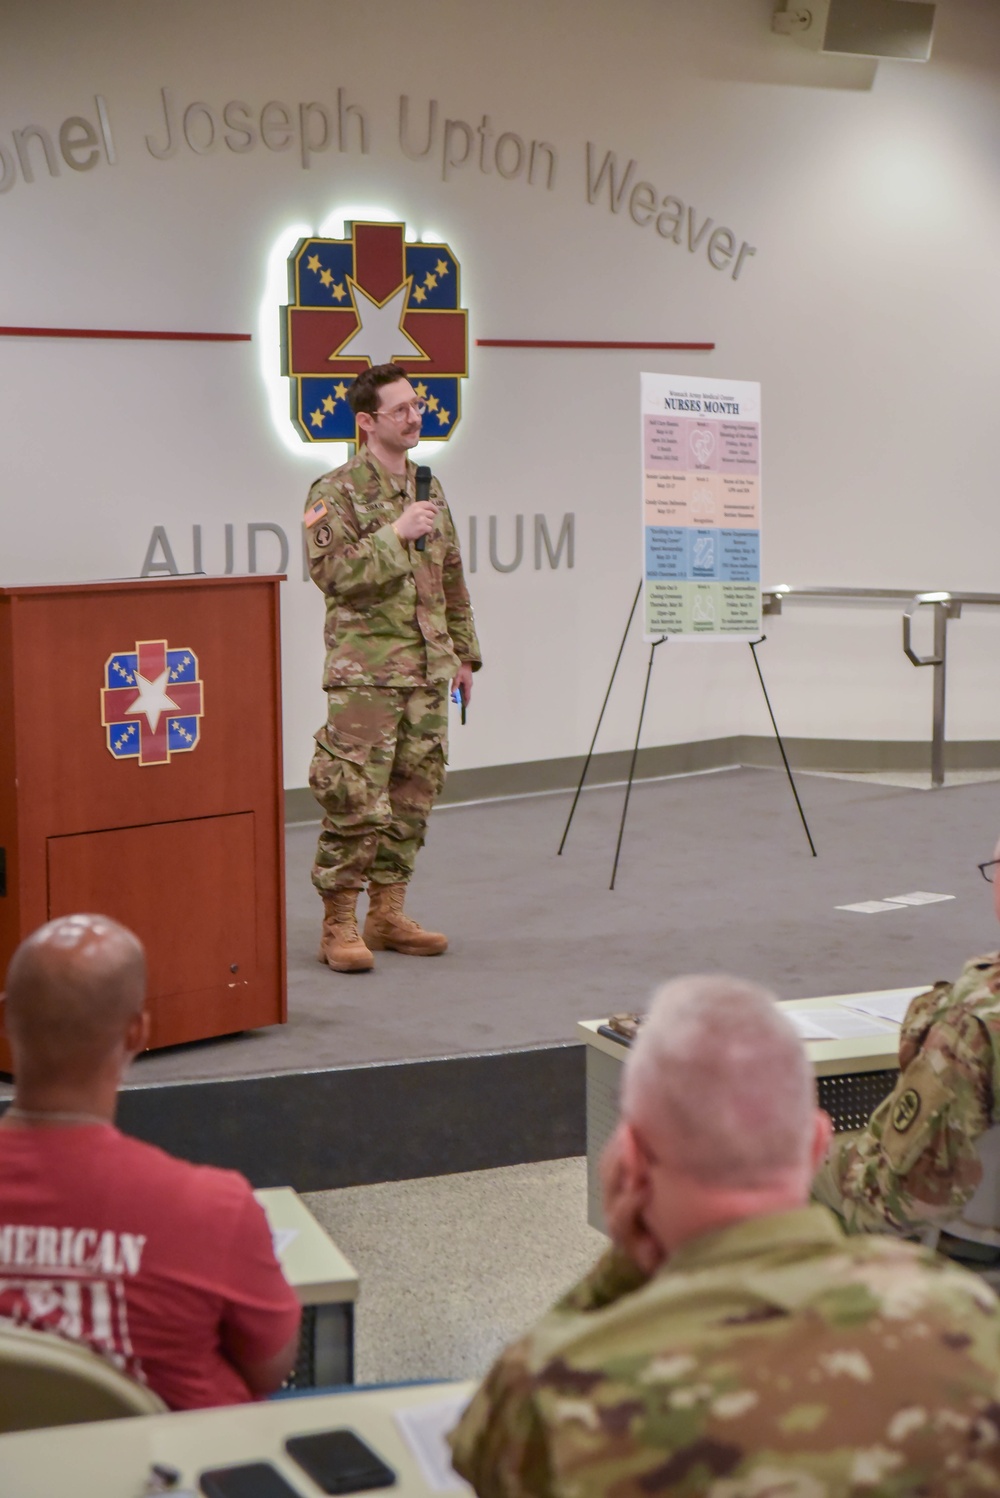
775	1358
916	1163
395	616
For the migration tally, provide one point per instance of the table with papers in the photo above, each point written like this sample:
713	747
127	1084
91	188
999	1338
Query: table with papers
852	1040
405	1426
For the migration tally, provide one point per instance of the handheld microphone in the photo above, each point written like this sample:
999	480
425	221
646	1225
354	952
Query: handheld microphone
423	494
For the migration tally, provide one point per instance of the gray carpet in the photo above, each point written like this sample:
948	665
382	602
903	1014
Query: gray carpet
490	1251
715	874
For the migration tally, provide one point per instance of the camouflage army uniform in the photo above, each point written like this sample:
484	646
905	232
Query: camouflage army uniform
398	626
775	1358
916	1163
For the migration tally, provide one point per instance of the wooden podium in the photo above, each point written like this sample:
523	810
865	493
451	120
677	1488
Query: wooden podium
140	777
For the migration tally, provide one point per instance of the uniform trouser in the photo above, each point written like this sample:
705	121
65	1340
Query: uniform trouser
378	766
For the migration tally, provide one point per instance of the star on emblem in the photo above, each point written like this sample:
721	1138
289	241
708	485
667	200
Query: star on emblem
380	339
313	262
326	277
153	699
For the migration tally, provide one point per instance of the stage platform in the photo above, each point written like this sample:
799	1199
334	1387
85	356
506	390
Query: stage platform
433	1065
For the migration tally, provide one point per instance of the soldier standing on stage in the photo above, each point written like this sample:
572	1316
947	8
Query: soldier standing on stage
399	628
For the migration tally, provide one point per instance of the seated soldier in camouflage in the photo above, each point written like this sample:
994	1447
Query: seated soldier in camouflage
918	1163
733	1342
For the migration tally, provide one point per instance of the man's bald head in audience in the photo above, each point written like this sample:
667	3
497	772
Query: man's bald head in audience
74	987
720	1079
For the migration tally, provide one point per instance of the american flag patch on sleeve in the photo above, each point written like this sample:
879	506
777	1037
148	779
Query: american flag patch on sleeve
315	512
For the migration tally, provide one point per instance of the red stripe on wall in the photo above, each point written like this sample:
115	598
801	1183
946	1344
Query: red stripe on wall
581	343
125	333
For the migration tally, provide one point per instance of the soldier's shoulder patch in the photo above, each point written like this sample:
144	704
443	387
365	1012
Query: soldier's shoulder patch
316	512
906	1109
323	535
916	1111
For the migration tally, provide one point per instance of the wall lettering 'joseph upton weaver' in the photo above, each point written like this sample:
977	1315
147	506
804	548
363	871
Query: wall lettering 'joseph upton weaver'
311	129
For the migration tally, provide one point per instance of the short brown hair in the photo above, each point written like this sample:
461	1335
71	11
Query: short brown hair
363	395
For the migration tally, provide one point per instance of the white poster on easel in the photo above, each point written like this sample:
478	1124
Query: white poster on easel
701	507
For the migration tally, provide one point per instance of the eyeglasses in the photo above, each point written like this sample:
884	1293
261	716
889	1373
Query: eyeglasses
401	412
987	868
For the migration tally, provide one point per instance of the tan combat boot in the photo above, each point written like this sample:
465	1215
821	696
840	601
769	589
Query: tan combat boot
341	946
388	928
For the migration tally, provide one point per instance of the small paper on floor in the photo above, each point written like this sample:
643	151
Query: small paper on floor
871	907
423	1428
917	897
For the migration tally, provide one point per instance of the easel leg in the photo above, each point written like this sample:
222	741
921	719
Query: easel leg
635	753
788	769
600	719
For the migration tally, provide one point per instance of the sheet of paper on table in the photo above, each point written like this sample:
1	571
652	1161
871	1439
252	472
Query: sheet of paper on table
283	1238
834	1024
891	1005
424	1428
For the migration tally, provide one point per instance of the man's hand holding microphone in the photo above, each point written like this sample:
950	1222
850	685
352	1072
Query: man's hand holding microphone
416	521
422	511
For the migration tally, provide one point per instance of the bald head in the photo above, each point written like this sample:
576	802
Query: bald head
718	1079
72	989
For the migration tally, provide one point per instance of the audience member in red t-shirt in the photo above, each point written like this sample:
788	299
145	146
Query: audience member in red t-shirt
164	1267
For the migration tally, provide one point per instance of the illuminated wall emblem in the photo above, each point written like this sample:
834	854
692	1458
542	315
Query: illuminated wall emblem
372	299
152	702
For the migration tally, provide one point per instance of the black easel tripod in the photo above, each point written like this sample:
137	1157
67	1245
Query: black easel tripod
638	732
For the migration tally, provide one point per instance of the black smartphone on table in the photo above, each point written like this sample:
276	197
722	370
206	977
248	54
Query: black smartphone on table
338	1461
247	1480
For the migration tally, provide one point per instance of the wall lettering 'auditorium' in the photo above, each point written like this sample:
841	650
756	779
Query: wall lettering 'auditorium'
505	548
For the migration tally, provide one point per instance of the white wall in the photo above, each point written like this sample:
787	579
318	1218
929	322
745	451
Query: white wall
868	313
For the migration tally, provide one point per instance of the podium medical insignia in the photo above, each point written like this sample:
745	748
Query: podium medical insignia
152	702
372	299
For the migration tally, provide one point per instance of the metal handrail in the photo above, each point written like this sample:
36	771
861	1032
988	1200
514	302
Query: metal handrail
774	597
946	605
